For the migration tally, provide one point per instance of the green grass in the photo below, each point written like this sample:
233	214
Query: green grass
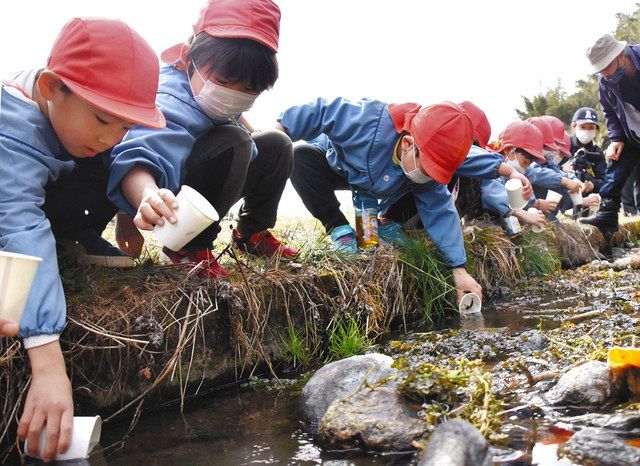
347	337
295	348
537	256
427	278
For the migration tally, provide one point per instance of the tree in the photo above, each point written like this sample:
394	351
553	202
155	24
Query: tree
556	102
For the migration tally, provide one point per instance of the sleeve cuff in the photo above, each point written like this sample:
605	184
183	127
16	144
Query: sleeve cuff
39	340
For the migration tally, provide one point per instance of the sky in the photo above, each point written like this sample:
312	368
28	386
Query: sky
491	52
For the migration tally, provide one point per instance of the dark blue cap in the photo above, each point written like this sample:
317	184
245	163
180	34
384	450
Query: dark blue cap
585	115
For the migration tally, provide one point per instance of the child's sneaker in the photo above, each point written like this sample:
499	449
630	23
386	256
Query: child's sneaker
344	239
89	248
391	232
203	260
264	244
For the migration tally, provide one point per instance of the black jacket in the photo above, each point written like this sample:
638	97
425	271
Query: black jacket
596	159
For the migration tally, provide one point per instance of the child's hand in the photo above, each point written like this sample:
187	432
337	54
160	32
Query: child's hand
156	206
527	189
591	201
572	185
8	328
588	187
546	206
536	219
49	402
465	283
128	237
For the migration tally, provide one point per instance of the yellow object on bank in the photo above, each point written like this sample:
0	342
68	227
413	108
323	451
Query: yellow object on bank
624	357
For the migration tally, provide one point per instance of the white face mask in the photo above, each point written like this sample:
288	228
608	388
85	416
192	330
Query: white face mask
515	164
415	174
585	136
221	103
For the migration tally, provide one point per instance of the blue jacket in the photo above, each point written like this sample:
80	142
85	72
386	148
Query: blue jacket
30	151
361	143
612	103
162	152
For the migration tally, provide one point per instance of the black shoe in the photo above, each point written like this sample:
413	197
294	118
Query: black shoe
606	218
89	248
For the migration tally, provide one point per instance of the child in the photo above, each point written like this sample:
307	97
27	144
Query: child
478	167
585	126
383	150
548	175
211	81
8	328
98	83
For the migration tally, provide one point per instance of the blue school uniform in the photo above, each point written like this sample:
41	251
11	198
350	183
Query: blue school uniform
30	153
164	151
361	140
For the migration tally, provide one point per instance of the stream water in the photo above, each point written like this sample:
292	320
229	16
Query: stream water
252	426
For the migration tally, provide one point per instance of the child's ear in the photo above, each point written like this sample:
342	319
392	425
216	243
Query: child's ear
49	84
406	142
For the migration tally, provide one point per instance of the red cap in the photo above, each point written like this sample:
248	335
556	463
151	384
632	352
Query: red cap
481	126
443	133
523	135
546	130
559	133
106	63
258	20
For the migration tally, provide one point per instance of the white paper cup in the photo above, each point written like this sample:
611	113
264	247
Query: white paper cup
194	214
85	436
470	304
576	198
535	228
16	275
514	192
553	196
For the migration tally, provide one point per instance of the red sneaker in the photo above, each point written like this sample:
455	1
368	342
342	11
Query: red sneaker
203	260
264	244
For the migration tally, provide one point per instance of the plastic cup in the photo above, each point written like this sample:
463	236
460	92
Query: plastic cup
553	196
576	198
193	215
470	304
16	275
85	436
535	228
514	192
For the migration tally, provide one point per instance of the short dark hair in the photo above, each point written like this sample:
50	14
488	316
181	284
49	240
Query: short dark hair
236	60
525	153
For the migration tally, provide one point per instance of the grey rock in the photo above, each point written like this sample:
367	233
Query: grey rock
533	340
622	421
590	384
617	253
377	419
597	447
339	379
456	443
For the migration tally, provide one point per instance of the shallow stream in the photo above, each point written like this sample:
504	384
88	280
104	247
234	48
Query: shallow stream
251	426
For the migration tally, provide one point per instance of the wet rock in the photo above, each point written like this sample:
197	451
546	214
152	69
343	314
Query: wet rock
339	379
597	447
456	443
617	253
376	419
533	340
590	384
598	264
627	422
633	381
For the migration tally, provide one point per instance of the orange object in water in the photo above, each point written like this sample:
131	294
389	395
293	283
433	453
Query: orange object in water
624	357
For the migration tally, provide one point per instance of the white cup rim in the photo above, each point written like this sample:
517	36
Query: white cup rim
199	203
15	255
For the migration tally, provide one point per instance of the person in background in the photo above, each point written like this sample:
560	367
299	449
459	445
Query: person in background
380	151
99	81
591	159
617	65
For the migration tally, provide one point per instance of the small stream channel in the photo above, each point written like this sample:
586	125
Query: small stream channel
252	426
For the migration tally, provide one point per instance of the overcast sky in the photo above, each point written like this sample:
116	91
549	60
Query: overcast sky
490	52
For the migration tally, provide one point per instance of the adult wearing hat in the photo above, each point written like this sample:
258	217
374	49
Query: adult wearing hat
617	65
383	151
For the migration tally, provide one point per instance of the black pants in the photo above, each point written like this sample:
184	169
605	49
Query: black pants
219	167
316	182
630	195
